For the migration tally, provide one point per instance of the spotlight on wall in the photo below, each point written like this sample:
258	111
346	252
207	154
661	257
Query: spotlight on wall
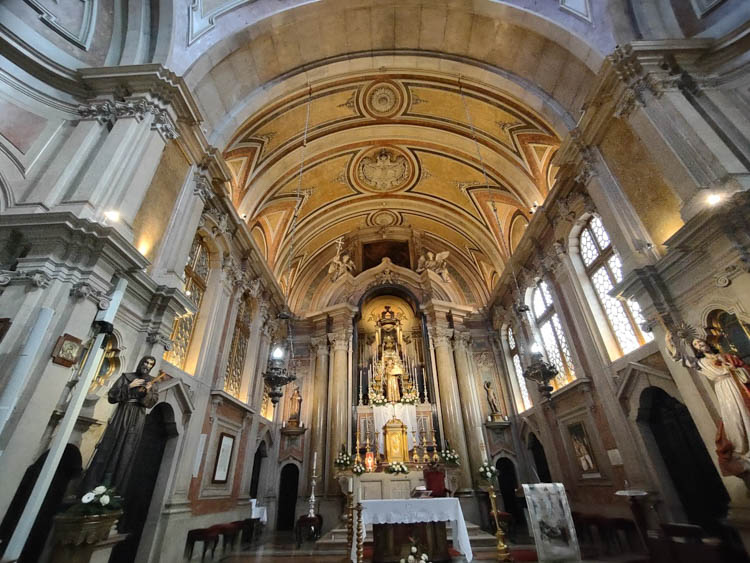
112	215
713	199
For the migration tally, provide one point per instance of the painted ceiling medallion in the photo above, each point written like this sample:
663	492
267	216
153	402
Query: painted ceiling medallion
383	99
384	170
384	218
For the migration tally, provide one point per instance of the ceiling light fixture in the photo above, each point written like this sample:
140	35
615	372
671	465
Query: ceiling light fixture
520	306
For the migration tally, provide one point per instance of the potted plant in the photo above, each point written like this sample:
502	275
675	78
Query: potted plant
89	521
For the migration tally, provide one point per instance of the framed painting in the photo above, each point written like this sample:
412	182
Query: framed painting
223	458
67	350
551	522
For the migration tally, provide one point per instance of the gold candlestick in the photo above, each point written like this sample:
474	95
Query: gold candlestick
435	456
425	455
357	459
415	455
503	553
350	519
376	444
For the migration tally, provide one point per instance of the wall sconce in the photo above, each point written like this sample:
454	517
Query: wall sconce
541	373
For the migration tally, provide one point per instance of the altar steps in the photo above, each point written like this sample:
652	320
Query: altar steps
336	539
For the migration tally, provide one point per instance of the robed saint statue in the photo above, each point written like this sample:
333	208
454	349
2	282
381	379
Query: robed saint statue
113	461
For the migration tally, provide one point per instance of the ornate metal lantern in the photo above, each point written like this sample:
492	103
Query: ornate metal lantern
541	373
278	372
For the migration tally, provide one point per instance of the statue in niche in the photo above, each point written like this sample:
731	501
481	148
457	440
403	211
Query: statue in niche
295	407
113	461
435	262
730	377
341	263
392	382
492	400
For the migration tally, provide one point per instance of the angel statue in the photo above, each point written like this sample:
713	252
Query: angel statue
730	377
341	263
435	262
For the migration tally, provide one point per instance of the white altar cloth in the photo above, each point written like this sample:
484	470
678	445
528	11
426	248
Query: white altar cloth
410	511
405	413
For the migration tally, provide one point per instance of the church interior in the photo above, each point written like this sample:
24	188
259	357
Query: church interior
374	281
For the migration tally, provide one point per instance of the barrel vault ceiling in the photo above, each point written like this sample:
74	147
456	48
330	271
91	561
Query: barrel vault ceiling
391	155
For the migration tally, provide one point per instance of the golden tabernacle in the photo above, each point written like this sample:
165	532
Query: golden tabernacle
396	448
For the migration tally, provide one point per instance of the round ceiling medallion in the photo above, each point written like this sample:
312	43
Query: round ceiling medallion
384	218
383	99
385	169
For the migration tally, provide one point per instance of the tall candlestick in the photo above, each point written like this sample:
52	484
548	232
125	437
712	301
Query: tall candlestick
315	462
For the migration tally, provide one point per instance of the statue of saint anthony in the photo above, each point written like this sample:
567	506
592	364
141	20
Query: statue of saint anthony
113	460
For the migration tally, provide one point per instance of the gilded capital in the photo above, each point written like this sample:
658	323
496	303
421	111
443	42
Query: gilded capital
339	340
441	336
319	345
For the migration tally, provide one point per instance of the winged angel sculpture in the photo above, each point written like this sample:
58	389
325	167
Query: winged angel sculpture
383	173
436	263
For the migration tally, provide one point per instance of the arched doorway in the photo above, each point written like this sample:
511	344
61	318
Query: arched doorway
260	454
506	476
68	469
540	459
137	499
685	457
287	497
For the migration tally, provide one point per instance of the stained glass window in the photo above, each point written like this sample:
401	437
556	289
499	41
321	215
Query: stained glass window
525	399
196	278
553	338
604	269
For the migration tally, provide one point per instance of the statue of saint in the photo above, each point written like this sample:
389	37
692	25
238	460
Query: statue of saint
731	380
296	406
392	389
491	398
113	460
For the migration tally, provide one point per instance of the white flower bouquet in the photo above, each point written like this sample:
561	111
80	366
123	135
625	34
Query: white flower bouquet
450	457
410	398
397	467
487	471
377	399
100	500
415	557
343	460
358	469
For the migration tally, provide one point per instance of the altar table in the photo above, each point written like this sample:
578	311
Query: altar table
409	511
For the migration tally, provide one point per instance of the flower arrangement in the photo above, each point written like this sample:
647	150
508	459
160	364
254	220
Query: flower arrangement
487	471
344	459
358	469
397	467
377	399
450	457
410	398
414	555
101	500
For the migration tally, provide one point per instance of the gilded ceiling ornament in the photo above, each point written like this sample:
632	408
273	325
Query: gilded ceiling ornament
386	171
383	99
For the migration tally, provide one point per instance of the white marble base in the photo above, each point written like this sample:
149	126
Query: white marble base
376	486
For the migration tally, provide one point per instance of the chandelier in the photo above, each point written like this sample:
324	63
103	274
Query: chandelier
281	366
541	373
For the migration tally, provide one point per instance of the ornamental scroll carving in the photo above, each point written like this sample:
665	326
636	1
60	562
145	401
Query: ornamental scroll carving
385	172
137	108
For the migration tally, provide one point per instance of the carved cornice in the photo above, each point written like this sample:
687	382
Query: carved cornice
83	290
34	279
202	188
109	111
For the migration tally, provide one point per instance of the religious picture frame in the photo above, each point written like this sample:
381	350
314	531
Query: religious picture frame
551	522
67	350
223	461
582	450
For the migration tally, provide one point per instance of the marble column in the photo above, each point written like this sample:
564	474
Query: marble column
320	402
339	401
471	411
450	404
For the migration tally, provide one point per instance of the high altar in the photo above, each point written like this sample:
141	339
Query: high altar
394	412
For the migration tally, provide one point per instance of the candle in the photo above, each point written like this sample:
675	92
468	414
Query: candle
351	484
315	461
481	444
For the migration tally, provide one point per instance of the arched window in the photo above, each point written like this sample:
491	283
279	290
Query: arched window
238	350
518	371
604	269
553	337
196	278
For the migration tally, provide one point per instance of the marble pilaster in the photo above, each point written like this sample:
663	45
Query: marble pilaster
339	399
320	402
471	409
